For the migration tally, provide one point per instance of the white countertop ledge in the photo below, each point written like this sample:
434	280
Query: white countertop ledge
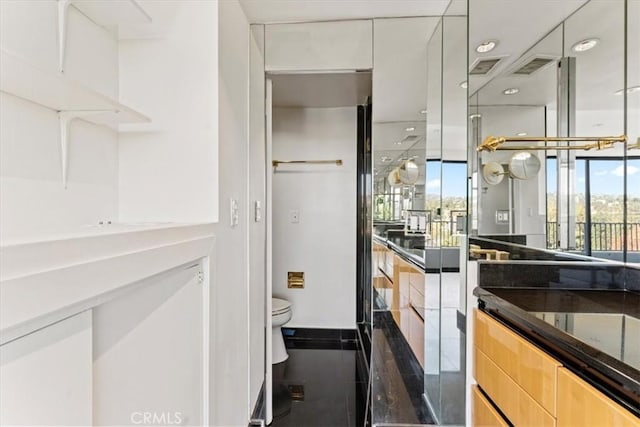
44	281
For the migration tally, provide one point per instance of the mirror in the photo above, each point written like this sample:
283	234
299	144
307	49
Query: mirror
633	133
524	165
401	219
420	191
569	82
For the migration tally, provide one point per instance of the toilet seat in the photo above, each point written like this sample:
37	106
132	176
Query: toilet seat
279	306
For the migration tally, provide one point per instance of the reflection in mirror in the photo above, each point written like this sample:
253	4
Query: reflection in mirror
508	206
433	196
598	229
633	132
570	83
453	218
402	222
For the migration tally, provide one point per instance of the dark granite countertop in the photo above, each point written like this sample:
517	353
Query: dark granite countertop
595	333
406	248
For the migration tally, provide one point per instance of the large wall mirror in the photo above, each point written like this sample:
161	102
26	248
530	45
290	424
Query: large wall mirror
567	81
420	201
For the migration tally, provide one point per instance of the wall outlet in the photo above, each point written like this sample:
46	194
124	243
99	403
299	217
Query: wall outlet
294	216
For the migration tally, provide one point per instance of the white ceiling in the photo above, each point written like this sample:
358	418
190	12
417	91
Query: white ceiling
400	64
516	25
599	73
272	11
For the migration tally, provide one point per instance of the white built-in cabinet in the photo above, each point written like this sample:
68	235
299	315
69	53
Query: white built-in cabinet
46	376
103	324
319	46
96	337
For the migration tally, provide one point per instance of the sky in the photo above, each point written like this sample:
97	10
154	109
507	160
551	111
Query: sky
607	176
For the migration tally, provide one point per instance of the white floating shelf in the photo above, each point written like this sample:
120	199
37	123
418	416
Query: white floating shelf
54	90
112	13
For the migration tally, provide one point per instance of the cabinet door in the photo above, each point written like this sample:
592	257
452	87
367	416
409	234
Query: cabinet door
484	414
46	376
580	404
148	353
343	45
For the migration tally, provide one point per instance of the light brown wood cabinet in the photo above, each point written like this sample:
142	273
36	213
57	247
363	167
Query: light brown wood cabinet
530	387
483	412
531	368
581	405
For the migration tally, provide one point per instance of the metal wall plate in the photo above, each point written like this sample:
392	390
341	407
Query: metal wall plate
295	279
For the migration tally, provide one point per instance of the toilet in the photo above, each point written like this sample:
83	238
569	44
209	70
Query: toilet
280	314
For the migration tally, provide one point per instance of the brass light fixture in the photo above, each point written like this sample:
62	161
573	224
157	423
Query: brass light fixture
493	143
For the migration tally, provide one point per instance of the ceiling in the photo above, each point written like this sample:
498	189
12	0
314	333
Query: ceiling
273	11
599	73
510	23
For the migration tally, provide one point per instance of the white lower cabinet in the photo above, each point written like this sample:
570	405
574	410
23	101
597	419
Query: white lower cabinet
46	376
136	359
148	355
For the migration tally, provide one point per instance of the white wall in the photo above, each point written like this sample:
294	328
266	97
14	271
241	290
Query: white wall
167	169
32	198
323	243
229	400
257	226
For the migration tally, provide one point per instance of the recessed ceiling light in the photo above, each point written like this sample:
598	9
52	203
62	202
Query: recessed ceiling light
410	129
511	91
475	116
597	125
487	46
632	89
585	45
399	143
464	84
423	111
521	134
385	159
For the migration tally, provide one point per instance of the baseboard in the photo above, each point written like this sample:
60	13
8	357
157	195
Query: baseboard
318	338
259	410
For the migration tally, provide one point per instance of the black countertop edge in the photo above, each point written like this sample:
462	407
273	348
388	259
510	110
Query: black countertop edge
614	378
409	257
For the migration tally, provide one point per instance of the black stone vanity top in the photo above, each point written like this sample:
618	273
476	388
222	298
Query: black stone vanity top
410	249
593	332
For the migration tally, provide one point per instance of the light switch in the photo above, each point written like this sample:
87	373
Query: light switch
258	210
294	216
233	212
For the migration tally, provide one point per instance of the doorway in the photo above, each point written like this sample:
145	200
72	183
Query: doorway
316	175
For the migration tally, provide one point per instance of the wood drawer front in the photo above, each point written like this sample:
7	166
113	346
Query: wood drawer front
513	401
530	367
580	404
484	414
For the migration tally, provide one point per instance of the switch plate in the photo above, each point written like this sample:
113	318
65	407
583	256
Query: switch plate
258	210
294	216
234	213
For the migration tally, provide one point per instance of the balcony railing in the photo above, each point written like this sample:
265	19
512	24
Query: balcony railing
605	236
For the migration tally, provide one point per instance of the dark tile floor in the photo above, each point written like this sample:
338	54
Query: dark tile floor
397	382
319	387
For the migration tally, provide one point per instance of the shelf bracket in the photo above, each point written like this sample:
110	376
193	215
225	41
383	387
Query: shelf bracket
65	118
63	9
